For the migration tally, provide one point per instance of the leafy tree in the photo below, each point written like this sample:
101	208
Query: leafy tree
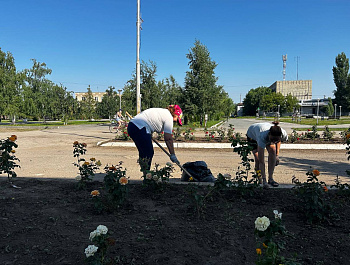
154	94
326	110
170	91
341	78
228	107
129	96
270	102
201	95
109	104
62	103
87	106
10	83
253	99
38	89
330	107
149	87
291	103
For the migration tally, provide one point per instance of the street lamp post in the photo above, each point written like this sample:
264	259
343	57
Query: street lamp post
339	112
318	107
278	113
335	111
120	98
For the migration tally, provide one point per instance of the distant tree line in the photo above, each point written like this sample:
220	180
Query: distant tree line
30	94
264	99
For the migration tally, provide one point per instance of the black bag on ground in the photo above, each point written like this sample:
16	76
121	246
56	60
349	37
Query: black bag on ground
199	171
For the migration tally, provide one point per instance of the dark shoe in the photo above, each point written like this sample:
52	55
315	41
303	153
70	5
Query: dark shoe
273	183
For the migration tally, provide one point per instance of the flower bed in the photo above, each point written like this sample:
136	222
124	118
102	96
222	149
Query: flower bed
49	222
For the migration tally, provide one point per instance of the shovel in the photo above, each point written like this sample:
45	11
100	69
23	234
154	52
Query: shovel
165	151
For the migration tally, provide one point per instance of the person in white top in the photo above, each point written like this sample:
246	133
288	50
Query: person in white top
119	118
261	136
151	120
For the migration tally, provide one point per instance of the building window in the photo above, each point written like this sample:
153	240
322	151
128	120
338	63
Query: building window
83	98
96	99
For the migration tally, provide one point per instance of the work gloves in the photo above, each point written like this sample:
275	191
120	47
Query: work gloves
173	159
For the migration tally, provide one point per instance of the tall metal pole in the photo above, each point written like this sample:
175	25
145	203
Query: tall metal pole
318	107
297	66
138	93
284	59
120	99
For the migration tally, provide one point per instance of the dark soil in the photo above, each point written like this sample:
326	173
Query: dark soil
49	222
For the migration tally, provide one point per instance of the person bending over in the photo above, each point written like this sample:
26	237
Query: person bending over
151	120
261	136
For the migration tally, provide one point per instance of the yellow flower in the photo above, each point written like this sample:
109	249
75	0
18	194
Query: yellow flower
190	179
86	163
13	138
13	151
92	159
258	251
264	245
348	136
98	163
76	143
123	181
84	144
95	193
112	168
316	172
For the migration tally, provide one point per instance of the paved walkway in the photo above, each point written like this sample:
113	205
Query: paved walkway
47	153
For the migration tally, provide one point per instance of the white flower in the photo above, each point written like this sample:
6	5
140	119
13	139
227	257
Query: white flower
277	215
90	250
93	234
169	164
262	223
155	177
101	229
227	176
149	176
78	178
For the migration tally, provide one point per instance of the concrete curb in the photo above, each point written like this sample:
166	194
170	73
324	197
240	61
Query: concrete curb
228	146
177	181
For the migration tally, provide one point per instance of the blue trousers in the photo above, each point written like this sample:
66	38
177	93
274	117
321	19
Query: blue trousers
143	142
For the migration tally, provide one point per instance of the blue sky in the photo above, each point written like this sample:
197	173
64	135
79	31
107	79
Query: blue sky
94	42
